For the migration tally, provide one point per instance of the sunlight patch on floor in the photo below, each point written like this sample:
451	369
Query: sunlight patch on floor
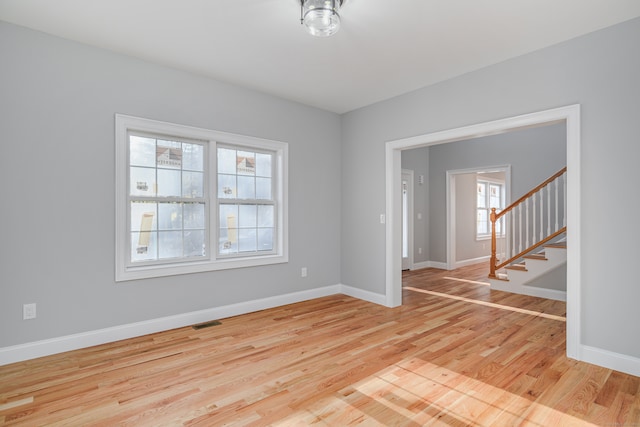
489	304
467	281
417	392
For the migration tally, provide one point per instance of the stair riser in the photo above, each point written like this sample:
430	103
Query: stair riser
518	279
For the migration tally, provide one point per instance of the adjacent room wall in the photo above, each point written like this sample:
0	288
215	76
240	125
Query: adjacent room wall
598	71
468	246
418	161
57	105
534	155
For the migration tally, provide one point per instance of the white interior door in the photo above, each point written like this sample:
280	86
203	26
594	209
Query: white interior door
407	219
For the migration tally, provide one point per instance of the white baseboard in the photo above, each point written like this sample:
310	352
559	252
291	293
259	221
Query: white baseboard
430	264
51	346
379	299
440	265
608	359
471	261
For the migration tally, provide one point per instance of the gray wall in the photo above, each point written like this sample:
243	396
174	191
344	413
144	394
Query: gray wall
555	279
465	206
599	71
534	155
57	106
418	161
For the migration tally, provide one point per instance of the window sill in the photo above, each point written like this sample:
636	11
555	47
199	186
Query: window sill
151	271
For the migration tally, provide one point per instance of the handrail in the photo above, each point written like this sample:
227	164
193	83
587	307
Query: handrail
530	193
524	200
529	249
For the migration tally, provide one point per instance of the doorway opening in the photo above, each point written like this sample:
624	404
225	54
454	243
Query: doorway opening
464	247
571	116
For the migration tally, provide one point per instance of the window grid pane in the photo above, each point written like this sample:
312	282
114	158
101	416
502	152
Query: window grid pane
167	196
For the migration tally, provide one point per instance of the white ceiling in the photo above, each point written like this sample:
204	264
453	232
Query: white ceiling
384	48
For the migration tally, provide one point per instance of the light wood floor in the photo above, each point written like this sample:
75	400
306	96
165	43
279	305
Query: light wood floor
454	354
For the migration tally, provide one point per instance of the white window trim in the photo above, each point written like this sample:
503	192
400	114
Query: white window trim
124	272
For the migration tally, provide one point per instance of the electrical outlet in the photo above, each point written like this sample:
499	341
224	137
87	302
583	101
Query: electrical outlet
303	272
29	311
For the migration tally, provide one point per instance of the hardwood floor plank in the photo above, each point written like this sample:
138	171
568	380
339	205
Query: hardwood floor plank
455	353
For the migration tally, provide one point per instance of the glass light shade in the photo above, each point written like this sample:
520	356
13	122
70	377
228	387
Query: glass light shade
321	17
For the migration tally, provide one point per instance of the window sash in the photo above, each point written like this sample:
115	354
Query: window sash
233	233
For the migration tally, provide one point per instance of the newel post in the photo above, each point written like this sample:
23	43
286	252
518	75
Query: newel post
492	267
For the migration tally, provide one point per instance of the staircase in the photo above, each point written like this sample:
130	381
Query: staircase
532	242
539	274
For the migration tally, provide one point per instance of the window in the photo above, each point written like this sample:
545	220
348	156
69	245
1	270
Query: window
246	205
167	199
191	200
490	194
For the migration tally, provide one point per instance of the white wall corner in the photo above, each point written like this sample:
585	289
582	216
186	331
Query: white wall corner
440	265
420	265
368	296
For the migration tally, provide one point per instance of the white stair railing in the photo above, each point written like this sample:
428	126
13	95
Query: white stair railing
525	231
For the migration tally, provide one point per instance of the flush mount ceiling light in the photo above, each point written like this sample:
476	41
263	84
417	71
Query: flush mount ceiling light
321	17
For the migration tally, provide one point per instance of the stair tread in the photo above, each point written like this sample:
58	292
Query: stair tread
540	256
520	267
561	245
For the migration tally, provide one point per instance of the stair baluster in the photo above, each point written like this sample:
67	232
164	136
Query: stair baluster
528	235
